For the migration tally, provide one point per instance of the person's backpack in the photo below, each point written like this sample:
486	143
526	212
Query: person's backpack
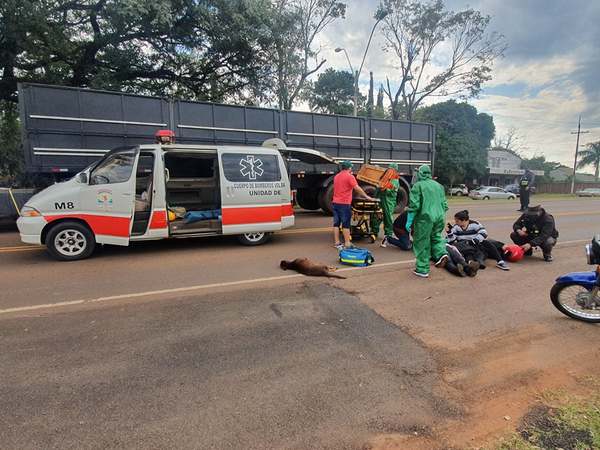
358	257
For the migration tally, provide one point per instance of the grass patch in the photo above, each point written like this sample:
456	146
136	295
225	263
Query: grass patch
574	424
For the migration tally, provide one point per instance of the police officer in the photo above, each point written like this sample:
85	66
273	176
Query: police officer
535	228
525	184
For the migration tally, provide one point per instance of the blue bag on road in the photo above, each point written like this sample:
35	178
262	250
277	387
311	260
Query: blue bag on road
358	257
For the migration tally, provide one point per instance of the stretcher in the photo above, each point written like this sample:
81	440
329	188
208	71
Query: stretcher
362	213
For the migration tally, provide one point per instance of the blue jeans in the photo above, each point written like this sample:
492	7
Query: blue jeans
403	242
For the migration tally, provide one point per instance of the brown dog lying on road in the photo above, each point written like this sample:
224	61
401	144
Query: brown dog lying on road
307	267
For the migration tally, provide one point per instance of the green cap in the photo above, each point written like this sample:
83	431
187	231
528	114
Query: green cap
346	164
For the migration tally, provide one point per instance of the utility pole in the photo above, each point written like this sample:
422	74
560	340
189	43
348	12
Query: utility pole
578	132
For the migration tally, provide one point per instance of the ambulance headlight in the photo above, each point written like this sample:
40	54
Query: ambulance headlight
28	211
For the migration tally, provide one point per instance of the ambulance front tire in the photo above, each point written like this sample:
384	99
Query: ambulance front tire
254	238
70	241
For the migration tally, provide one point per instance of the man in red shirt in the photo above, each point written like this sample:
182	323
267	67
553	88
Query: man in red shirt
344	184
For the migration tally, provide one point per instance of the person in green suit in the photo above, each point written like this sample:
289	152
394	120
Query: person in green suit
427	209
387	198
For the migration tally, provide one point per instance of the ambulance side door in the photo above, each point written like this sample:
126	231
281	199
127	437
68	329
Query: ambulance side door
108	199
251	183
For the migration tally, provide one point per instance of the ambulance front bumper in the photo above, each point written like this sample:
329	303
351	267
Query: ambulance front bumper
30	229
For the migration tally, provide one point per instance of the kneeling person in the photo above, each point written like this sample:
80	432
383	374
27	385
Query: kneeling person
535	228
402	237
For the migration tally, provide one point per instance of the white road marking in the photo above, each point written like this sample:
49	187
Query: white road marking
200	287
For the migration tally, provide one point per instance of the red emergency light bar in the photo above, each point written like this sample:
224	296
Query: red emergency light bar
165	137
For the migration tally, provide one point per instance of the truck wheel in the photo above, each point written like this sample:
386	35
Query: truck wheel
369	189
256	238
70	241
401	200
326	198
308	199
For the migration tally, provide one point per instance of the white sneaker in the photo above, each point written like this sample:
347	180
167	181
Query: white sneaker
420	274
502	265
384	242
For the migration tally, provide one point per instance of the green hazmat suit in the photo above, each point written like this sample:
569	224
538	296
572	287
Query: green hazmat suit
427	211
387	199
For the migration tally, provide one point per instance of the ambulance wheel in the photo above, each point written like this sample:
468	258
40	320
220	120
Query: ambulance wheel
70	241
256	238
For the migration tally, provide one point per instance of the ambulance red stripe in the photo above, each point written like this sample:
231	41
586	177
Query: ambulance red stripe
260	214
105	225
159	220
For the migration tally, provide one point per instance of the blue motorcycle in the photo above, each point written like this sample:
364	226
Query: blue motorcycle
577	294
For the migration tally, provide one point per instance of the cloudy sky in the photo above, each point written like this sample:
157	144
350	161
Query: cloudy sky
549	75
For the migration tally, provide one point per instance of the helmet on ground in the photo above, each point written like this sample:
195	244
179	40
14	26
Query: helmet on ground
513	252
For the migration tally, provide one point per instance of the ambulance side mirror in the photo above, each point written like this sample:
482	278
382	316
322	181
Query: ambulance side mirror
82	178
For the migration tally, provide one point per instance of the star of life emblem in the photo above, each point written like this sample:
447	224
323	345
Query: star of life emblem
251	167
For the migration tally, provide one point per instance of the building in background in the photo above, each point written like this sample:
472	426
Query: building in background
564	173
504	167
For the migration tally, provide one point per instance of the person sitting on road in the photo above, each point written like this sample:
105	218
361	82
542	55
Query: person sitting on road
469	233
344	184
535	228
458	265
402	237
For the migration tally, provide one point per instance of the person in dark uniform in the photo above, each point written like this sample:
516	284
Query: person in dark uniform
401	238
535	228
525	184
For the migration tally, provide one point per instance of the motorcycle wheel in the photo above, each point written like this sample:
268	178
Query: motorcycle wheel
564	298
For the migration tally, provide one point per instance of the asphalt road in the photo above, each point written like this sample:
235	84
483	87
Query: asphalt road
31	277
207	344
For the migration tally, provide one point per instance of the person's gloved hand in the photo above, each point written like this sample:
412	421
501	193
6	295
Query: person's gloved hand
409	221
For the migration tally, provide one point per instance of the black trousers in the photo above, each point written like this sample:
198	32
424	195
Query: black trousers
546	246
490	250
524	197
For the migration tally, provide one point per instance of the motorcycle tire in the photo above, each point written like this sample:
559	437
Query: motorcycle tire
555	297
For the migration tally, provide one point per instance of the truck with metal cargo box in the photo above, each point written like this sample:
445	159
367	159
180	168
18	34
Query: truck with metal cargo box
67	129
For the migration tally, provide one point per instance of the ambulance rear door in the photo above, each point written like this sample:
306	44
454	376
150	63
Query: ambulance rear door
252	184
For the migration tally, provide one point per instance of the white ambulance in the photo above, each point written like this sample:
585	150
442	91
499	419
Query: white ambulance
151	192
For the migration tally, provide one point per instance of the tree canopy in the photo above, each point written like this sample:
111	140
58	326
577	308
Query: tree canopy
438	52
463	137
333	93
590	157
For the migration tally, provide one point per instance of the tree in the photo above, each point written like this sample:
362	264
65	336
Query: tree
462	138
591	157
539	162
380	112
293	28
511	141
439	52
333	92
370	99
203	50
10	141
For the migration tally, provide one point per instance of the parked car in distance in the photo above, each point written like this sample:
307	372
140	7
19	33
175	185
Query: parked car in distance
459	190
588	192
491	192
514	189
